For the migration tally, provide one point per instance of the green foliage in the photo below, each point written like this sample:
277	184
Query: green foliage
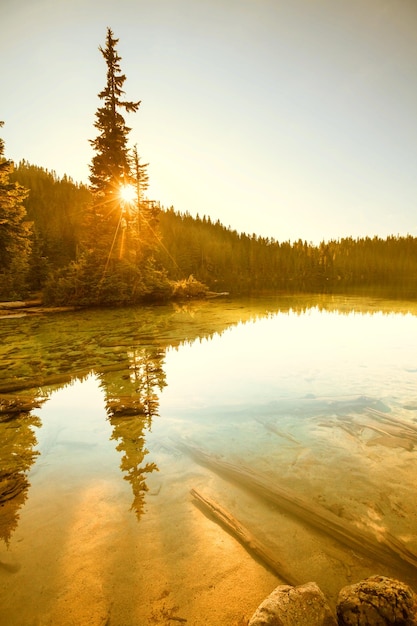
243	264
87	282
189	288
91	247
56	206
216	256
15	232
115	264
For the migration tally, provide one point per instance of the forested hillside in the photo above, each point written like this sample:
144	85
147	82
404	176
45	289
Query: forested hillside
222	258
108	244
55	207
240	263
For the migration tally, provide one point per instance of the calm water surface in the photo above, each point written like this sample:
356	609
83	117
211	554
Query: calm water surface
297	415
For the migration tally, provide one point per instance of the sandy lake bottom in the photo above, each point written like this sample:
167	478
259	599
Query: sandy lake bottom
318	407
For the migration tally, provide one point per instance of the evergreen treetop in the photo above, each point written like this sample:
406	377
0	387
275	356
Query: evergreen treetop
110	164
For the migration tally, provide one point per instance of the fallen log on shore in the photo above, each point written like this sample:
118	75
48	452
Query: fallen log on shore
244	536
386	548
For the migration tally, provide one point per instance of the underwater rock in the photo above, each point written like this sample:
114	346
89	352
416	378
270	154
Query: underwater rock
304	605
377	601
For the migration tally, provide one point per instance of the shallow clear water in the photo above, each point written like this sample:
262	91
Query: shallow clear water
311	399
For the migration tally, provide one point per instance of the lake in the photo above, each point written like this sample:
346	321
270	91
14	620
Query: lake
293	417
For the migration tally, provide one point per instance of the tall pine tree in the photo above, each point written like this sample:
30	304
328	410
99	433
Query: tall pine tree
110	166
15	232
110	270
104	269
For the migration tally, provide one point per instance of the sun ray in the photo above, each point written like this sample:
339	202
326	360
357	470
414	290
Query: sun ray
127	193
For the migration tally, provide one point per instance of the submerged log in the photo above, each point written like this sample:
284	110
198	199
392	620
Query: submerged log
391	441
399	425
244	536
274	429
393	432
385	549
390	435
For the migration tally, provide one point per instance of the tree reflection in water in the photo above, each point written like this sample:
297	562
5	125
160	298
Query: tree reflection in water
131	403
17	456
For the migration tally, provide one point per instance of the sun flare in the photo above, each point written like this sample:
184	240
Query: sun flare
127	193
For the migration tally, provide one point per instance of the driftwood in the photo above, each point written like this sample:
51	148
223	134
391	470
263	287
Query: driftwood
392	437
385	549
353	430
396	426
394	432
389	436
391	441
244	536
274	429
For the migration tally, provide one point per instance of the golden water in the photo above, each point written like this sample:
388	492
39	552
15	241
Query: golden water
318	395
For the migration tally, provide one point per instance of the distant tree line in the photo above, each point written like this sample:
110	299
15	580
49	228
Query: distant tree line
243	264
219	257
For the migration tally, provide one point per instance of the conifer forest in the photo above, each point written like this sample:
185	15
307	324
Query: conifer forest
107	243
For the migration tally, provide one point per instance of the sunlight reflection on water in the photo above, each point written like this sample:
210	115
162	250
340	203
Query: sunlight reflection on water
323	404
75	431
317	353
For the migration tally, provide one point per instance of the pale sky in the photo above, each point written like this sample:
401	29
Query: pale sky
285	118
